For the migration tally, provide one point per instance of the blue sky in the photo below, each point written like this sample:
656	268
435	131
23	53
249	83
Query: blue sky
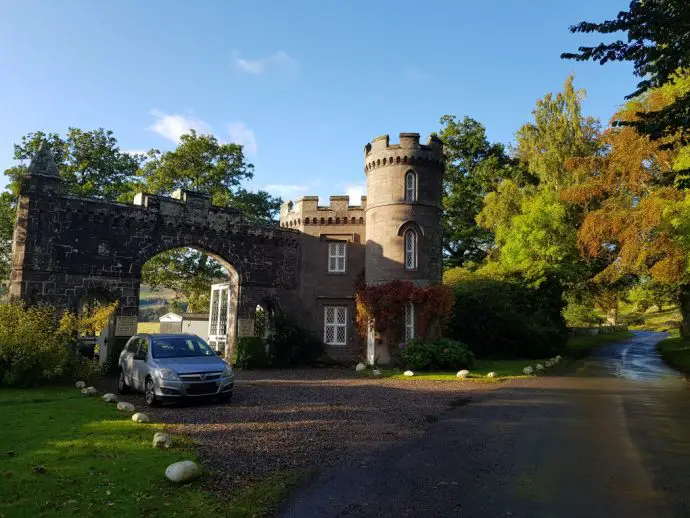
304	85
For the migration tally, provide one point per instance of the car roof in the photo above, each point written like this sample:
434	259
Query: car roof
166	335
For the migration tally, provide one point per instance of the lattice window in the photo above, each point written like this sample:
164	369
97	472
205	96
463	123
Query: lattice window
409	321
336	257
213	330
335	325
410	186
223	312
410	238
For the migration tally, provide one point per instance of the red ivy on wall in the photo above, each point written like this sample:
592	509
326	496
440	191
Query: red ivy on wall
385	303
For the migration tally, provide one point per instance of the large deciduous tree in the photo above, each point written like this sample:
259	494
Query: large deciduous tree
203	164
658	45
474	167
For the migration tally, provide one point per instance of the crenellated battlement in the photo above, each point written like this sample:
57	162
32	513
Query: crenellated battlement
307	211
380	152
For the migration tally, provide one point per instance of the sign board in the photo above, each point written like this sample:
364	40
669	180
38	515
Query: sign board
125	326
245	327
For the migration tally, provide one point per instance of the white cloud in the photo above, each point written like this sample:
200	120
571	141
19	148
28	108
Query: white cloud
135	151
286	191
278	61
355	192
241	134
173	126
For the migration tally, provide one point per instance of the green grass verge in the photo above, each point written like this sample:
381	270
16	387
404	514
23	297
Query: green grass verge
64	454
579	346
676	352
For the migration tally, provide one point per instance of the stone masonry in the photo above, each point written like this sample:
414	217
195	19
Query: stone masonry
67	248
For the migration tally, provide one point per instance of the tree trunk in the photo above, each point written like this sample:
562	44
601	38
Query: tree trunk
684	306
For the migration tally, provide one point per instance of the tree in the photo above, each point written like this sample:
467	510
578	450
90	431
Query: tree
202	164
639	216
90	162
558	134
473	167
7	217
658	45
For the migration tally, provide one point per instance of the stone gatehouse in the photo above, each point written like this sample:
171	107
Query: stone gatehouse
67	248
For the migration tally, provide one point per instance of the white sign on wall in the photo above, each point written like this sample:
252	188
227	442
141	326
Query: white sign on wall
245	327
125	326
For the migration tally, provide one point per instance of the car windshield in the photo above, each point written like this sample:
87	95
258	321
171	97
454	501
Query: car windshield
180	347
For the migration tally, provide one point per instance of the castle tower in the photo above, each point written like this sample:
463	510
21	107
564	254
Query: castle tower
403	212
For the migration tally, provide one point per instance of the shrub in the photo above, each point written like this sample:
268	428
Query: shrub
251	353
290	344
37	347
444	354
506	318
579	315
452	355
417	355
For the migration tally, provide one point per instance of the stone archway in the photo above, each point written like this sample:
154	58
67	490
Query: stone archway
65	246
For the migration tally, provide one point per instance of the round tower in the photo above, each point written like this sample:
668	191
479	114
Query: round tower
403	214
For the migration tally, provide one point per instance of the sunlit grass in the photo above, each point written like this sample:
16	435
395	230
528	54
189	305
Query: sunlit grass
63	454
676	352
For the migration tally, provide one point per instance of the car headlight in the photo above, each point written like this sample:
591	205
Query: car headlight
167	374
227	371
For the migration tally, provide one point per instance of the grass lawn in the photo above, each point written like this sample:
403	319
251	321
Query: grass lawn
64	454
576	347
676	352
579	346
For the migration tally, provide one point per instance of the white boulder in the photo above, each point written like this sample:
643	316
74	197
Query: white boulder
125	407
161	440
89	391
548	364
491	375
558	358
528	370
109	398
360	367
540	367
408	373
462	374
376	372
140	417
182	471
80	385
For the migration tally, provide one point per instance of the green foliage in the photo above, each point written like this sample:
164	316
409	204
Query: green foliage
581	315
473	167
647	293
444	354
37	347
7	217
290	344
251	353
541	241
558	133
655	42
90	162
505	317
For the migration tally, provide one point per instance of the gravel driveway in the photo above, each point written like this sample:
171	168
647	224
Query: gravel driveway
306	418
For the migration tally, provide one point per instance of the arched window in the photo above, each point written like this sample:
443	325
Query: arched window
410	186
409	321
410	240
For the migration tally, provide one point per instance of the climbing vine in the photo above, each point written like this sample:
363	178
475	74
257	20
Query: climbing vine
385	304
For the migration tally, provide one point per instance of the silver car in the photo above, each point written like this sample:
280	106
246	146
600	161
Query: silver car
168	367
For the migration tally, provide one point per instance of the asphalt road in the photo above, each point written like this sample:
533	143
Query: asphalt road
612	439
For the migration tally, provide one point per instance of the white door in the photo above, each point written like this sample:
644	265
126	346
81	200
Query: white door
218	316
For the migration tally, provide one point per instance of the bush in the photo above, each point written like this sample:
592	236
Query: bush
579	315
289	344
504	318
37	347
445	354
251	353
417	355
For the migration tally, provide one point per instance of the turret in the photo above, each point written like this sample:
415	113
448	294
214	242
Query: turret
403	213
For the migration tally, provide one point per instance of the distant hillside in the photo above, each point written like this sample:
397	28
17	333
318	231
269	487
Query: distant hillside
154	303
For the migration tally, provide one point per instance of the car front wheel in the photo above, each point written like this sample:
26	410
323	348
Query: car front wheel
150	393
122	386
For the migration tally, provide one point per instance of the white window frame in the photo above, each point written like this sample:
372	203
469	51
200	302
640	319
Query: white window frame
337	257
409	321
330	321
410	190
410	249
